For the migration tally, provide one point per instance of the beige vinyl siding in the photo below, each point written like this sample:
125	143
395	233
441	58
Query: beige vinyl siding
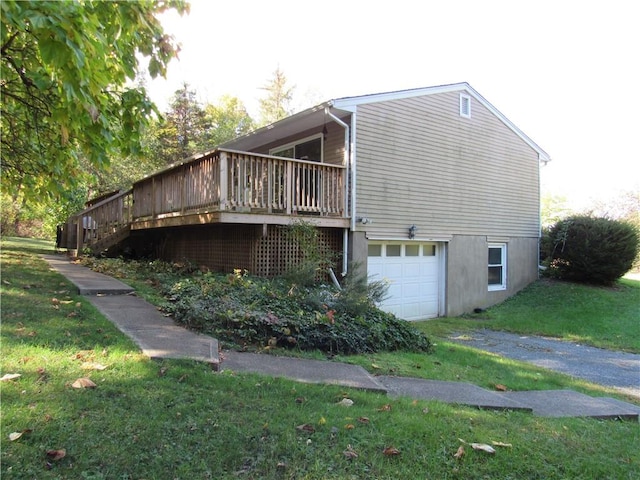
419	162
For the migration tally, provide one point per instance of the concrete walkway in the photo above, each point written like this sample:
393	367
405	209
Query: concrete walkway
160	337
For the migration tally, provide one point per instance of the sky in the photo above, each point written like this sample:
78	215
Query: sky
566	72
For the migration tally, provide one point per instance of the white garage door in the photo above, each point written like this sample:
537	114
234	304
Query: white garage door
412	271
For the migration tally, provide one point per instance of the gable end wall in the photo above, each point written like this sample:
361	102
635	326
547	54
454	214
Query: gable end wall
419	162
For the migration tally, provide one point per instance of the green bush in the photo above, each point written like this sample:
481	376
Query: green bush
314	256
591	249
256	313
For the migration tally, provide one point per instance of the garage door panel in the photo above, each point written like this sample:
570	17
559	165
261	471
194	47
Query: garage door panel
393	270
412	269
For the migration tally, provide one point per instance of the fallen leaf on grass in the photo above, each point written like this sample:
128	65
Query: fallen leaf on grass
306	427
9	376
83	354
460	453
350	453
501	444
345	402
92	366
483	447
391	451
83	383
16	435
501	387
385	408
56	454
479	446
349	426
364	420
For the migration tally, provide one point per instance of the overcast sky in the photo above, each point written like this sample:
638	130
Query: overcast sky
565	72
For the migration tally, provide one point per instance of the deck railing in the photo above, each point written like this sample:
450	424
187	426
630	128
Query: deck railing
228	180
98	223
220	181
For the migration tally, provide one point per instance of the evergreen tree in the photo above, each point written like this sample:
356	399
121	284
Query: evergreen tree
276	105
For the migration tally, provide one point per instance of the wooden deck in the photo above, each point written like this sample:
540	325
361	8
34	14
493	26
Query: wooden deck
223	186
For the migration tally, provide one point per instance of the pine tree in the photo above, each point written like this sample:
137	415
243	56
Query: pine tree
276	105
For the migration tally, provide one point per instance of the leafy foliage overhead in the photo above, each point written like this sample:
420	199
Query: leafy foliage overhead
66	69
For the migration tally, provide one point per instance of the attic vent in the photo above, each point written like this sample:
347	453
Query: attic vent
465	105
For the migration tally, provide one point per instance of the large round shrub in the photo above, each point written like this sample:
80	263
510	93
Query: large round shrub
592	249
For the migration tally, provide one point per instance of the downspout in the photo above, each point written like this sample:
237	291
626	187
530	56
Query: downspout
346	161
541	164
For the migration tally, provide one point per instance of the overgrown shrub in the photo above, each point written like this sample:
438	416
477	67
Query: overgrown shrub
314	256
591	249
255	313
359	295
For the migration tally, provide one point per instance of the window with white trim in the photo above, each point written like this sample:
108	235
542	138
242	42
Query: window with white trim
465	105
497	268
309	148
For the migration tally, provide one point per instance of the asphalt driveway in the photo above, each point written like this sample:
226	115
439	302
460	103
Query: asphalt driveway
613	369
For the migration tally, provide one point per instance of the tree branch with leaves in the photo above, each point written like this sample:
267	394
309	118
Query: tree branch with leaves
67	69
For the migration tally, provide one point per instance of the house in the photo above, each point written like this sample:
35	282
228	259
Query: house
432	189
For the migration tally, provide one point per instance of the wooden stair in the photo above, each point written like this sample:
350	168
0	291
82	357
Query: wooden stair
109	241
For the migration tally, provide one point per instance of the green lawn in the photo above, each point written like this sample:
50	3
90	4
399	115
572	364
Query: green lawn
178	419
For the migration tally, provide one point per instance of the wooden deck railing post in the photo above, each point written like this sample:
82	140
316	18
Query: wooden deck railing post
79	236
289	187
224	180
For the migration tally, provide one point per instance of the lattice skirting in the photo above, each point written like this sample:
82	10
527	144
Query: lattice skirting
225	247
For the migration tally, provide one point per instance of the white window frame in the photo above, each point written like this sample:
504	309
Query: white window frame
503	265
272	151
465	100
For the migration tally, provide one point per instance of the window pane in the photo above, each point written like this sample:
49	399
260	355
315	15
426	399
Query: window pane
495	275
412	250
375	250
287	153
429	251
495	256
311	150
393	250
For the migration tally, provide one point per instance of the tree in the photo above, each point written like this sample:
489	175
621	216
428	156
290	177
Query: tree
227	120
66	93
553	208
181	132
189	128
276	105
